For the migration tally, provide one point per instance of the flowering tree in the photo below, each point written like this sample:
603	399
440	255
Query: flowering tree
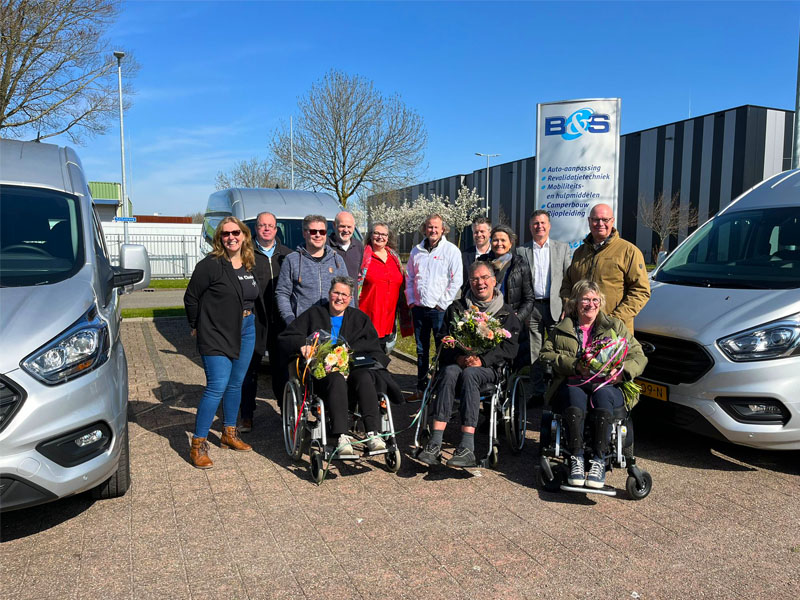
406	217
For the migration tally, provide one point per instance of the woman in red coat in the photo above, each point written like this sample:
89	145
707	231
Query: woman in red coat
381	281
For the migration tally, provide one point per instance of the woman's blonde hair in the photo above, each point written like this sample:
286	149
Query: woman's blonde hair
247	254
578	291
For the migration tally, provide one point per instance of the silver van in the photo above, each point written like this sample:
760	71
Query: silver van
723	322
288	206
63	373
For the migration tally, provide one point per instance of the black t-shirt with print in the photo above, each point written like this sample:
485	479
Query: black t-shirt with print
249	285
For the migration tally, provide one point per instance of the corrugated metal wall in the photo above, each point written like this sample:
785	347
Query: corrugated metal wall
708	160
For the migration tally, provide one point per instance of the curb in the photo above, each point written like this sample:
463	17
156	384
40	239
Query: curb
404	357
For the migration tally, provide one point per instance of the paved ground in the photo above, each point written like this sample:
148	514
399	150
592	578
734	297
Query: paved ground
153	298
722	522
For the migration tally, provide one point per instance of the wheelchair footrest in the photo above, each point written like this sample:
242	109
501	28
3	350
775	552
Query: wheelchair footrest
605	491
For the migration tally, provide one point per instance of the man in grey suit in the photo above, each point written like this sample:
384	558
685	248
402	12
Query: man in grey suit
548	260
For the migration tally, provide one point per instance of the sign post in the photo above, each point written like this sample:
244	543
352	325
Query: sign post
577	162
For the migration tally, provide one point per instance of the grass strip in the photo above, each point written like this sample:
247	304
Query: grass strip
151	313
168	284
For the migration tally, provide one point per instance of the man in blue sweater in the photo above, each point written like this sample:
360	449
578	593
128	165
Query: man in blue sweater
306	274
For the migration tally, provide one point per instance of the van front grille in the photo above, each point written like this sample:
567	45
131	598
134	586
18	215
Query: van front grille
11	398
673	360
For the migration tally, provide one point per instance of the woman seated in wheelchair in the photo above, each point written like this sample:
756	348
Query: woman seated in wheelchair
469	369
352	326
575	391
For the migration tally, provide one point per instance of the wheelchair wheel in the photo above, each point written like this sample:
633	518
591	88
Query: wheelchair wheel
636	492
293	428
393	460
516	416
316	467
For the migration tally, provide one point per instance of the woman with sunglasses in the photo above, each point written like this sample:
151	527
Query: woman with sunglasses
226	312
584	323
381	281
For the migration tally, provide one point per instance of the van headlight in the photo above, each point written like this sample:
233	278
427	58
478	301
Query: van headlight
778	339
78	350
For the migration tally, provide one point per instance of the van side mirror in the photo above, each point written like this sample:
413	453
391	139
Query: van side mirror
133	272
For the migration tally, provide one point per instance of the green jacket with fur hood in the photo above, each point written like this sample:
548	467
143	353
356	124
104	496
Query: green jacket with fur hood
561	349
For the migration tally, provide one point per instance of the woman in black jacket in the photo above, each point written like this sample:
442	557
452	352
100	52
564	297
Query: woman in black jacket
353	326
226	313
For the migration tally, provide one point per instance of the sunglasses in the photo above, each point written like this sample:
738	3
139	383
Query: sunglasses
317	231
234	233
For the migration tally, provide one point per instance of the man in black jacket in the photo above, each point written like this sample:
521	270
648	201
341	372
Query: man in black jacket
470	370
267	244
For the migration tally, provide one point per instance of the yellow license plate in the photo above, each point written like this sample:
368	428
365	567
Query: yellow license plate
653	390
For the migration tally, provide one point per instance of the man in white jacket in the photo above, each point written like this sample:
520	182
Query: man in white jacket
434	278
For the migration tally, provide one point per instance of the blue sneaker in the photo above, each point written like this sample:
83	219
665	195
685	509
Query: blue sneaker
596	478
577	472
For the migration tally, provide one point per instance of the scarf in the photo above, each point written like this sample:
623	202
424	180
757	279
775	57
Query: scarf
500	265
490	307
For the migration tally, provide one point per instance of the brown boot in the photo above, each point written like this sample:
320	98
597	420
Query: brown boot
199	454
230	439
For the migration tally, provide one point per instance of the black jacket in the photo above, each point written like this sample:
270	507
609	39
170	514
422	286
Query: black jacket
505	351
519	288
356	329
213	302
469	256
268	292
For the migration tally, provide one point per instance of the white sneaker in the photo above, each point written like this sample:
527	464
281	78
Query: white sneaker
345	448
374	444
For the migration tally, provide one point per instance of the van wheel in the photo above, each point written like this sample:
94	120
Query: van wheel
116	485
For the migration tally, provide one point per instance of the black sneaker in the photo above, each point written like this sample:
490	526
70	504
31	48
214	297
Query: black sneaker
430	454
596	477
462	457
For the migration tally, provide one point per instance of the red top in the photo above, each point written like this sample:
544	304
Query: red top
380	292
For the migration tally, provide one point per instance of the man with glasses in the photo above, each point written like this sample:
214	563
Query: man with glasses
469	371
266	243
616	265
306	274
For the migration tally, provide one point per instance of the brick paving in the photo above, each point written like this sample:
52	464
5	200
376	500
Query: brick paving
721	522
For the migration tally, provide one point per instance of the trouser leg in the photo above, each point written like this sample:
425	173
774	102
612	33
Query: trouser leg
472	380
249	387
604	401
232	397
361	385
575	402
333	390
445	396
218	370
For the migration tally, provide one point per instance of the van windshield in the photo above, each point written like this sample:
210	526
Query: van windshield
756	249
41	238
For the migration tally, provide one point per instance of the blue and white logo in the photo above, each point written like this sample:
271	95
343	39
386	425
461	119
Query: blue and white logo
583	120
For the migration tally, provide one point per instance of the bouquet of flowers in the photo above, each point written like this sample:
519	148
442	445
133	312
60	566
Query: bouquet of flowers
329	356
475	332
603	359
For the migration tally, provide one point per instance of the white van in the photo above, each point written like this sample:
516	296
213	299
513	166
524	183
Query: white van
723	322
63	373
288	206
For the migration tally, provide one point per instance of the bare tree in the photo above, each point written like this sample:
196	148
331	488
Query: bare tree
57	73
665	218
252	173
197	217
348	135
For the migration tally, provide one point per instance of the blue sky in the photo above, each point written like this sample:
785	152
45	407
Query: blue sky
216	78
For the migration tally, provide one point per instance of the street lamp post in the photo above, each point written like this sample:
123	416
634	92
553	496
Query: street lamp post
119	55
488	156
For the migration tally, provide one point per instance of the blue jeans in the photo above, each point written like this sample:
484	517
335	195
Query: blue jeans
224	382
426	321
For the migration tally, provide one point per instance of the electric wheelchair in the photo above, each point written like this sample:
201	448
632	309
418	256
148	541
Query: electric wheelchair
305	427
503	404
552	470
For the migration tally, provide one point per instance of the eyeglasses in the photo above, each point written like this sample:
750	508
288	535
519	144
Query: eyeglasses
341	294
233	232
598	220
481	278
317	231
590	301
375	234
266	226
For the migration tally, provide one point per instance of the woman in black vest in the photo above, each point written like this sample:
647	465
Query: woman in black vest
226	313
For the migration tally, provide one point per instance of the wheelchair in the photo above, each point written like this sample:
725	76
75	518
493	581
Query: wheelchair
553	469
305	428
501	402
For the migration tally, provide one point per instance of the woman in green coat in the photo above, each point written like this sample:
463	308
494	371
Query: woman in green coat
586	322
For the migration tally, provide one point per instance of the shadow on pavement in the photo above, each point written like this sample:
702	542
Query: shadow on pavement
19	524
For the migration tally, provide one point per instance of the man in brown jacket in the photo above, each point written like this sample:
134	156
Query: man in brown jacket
615	264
